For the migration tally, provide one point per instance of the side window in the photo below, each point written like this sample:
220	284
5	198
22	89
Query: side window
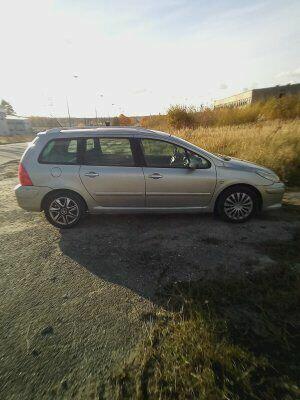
108	152
60	151
90	144
162	154
72	147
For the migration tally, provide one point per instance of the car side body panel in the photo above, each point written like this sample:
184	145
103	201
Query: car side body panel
179	187
114	186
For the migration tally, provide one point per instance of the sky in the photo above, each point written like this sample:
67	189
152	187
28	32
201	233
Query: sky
138	57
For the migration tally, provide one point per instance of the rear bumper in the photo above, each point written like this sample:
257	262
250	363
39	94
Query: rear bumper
272	195
30	197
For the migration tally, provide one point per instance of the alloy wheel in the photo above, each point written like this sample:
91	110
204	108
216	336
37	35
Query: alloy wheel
64	211
238	206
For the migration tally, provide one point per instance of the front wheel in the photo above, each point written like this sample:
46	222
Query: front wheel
237	204
64	210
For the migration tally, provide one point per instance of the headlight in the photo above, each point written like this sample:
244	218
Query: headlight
268	175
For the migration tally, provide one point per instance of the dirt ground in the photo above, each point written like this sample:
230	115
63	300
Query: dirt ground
74	303
16	138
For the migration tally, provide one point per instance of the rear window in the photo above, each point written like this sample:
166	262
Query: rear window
60	151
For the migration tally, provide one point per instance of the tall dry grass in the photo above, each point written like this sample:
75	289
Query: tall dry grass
180	116
274	144
284	108
158	122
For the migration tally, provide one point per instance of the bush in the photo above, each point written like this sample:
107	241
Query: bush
181	117
157	122
283	108
125	121
115	121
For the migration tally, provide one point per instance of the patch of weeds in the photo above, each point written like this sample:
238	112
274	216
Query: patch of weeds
226	339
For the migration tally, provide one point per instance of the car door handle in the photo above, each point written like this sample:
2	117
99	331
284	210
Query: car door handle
91	174
156	175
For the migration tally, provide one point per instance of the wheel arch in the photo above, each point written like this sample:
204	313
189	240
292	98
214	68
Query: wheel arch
57	191
239	185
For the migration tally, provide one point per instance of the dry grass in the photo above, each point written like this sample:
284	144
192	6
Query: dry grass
265	133
16	139
158	122
180	116
274	144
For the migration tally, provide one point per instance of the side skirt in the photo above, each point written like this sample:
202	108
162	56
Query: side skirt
148	210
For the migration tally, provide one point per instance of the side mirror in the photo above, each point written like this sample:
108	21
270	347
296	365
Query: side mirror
193	164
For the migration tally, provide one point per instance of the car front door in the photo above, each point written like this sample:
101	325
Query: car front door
110	173
169	180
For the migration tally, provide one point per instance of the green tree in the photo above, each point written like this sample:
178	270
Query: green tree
7	107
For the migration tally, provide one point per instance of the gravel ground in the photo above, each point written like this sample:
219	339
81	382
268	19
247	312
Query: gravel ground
74	303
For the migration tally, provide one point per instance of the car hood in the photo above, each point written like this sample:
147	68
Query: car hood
243	165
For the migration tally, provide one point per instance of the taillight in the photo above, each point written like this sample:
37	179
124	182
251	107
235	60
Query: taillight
24	177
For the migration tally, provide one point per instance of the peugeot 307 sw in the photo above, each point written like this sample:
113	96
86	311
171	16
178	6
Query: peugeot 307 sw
67	173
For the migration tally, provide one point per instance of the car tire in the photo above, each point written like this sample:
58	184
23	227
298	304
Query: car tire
237	204
64	209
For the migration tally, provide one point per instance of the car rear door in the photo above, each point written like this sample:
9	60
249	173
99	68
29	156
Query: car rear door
169	181
110	173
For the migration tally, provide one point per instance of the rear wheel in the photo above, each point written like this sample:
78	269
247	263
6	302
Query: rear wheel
63	209
237	204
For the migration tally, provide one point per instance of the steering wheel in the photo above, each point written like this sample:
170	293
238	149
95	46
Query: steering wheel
179	159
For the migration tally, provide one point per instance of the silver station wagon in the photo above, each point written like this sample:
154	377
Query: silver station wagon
67	173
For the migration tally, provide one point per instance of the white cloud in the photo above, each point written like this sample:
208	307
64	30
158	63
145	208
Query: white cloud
293	75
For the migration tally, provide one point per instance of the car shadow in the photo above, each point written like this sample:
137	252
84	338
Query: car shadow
143	252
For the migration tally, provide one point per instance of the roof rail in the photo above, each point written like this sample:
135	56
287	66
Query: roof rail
53	130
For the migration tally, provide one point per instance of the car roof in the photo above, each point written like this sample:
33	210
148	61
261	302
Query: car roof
104	131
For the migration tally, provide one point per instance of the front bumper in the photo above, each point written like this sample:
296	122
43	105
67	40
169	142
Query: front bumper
30	197
272	195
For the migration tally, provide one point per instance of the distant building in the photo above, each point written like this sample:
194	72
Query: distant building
13	124
17	125
3	124
255	95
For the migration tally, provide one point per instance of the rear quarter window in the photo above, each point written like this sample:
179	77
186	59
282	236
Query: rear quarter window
60	151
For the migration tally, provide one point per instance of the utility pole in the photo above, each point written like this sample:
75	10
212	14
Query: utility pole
68	113
96	117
